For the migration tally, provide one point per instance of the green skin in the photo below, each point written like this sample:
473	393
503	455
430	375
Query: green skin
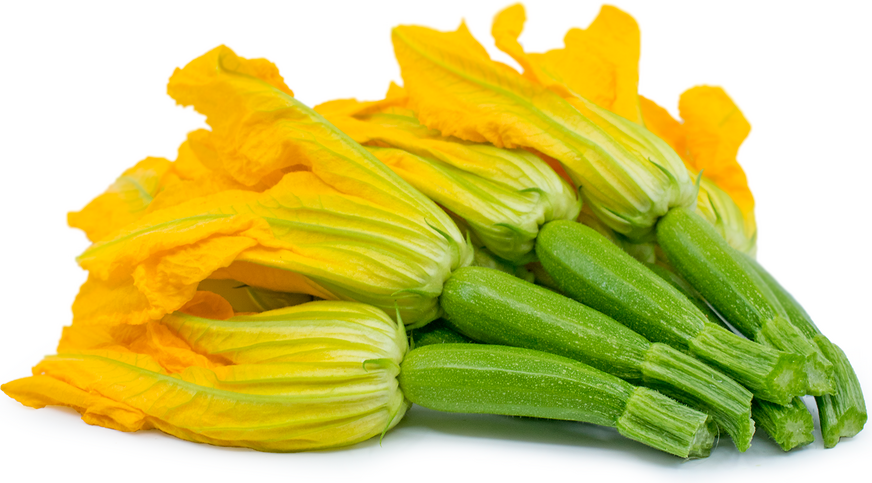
489	379
728	281
590	269
842	414
493	307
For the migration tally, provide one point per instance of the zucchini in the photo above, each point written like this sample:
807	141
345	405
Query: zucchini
490	379
493	307
727	281
589	268
843	413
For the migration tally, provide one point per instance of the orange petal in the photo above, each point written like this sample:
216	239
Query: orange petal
600	63
124	201
603	62
663	125
40	391
715	130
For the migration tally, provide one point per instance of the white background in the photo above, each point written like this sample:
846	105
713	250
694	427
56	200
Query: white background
82	97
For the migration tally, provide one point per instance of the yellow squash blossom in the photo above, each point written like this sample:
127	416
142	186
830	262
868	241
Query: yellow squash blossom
601	63
319	375
336	223
628	176
503	195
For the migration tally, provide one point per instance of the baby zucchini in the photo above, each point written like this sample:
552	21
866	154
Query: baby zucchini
491	379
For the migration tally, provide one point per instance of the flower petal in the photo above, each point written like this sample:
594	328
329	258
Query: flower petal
600	63
124	201
715	130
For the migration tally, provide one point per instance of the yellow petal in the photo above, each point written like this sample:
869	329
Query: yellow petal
188	164
603	62
124	201
600	63
715	130
40	391
258	129
396	97
110	303
716	205
507	27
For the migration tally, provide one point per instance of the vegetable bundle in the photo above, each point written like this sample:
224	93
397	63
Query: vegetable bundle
191	320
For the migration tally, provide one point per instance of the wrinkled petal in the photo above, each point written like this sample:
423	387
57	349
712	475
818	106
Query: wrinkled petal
40	391
600	63
604	62
124	201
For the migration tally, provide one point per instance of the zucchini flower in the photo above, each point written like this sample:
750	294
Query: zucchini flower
293	205
504	195
627	175
601	63
314	376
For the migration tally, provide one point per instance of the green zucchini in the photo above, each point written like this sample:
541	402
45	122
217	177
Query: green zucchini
490	379
493	307
593	271
842	414
727	281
